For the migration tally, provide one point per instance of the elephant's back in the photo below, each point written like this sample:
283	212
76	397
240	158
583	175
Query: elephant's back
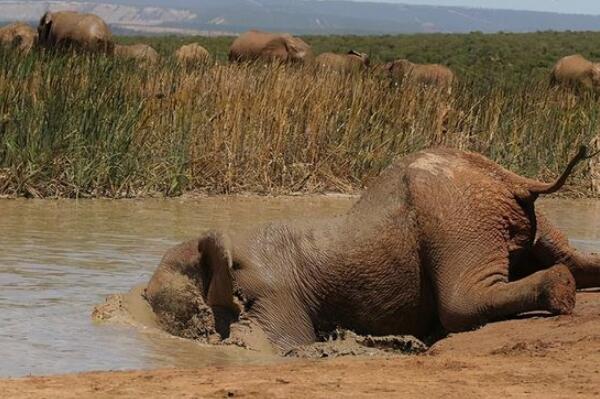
572	67
142	52
251	43
95	27
192	52
330	60
87	30
384	288
433	73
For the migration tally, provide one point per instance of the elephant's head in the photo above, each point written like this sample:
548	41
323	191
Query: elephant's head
398	69
44	28
298	50
363	57
191	292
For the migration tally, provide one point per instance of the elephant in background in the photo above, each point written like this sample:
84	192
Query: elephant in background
352	61
575	70
192	54
428	74
77	31
282	47
443	237
137	52
19	36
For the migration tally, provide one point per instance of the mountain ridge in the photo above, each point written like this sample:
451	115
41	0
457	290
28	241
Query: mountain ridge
300	16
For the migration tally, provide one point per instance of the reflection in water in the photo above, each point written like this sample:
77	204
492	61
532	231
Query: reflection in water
60	258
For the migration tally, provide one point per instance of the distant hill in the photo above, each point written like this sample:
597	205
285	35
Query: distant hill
300	16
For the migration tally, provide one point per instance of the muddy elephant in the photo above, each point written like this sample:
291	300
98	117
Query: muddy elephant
428	74
442	238
349	62
19	36
256	45
75	31
192	54
575	70
142	53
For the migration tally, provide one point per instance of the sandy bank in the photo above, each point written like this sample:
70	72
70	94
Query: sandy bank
533	357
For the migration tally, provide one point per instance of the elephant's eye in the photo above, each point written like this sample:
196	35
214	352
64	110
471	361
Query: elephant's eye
236	266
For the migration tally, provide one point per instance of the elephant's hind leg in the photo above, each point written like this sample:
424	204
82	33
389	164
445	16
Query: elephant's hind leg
478	290
552	247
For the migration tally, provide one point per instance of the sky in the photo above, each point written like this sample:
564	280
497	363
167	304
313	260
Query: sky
563	6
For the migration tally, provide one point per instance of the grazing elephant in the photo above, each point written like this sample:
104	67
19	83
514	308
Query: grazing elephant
256	45
137	52
352	61
575	70
19	36
428	74
442	237
73	30
192	55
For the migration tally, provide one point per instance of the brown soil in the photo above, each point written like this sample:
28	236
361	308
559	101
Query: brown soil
534	357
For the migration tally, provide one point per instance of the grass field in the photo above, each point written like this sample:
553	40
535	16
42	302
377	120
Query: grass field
96	127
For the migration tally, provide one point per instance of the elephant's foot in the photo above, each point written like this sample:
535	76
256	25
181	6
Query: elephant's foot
558	290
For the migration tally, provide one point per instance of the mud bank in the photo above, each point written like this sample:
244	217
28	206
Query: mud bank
532	357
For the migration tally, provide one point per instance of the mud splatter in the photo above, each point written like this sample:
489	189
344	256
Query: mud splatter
346	343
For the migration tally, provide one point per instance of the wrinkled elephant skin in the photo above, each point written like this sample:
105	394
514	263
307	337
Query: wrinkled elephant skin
443	237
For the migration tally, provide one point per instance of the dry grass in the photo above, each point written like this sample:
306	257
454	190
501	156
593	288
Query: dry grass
93	127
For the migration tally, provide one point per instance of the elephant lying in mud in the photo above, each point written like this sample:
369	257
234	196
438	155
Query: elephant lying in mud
442	238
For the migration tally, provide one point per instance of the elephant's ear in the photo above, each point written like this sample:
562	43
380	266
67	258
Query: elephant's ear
278	48
216	264
44	26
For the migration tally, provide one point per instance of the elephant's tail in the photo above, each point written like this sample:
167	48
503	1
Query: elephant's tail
539	188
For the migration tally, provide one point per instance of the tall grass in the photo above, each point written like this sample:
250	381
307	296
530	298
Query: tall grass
90	126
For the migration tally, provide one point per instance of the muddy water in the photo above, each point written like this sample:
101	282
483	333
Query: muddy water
60	258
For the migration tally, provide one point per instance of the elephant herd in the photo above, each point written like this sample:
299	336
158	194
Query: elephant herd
88	32
255	45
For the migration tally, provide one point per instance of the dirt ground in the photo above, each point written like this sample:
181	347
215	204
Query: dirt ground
538	357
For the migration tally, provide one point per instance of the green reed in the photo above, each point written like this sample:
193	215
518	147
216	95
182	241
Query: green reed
91	126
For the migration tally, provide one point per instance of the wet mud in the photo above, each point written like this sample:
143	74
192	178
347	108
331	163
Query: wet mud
532	357
348	343
132	309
